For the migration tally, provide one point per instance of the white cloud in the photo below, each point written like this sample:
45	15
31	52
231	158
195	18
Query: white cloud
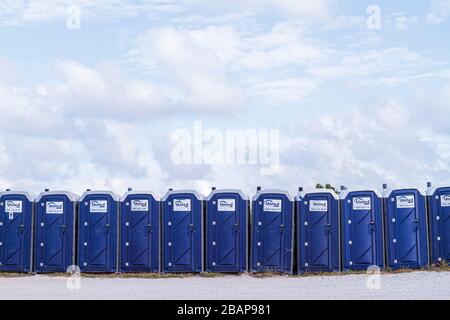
439	12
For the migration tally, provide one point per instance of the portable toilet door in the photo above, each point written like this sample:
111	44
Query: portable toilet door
97	231
226	231
439	217
318	231
362	229
406	228
16	231
182	231
139	241
54	247
272	231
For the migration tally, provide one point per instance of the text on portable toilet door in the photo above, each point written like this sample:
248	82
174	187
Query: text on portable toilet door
445	200
182	205
226	205
272	205
139	205
98	206
318	205
54	207
13	206
406	201
362	203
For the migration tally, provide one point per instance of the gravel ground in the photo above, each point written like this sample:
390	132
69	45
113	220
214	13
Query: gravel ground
411	285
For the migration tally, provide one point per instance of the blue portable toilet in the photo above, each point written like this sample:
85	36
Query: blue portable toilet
227	213
272	231
439	223
406	228
317	231
54	246
362	229
16	231
182	231
139	240
97	232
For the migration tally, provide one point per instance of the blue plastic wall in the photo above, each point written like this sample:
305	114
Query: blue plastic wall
226	232
439	217
182	233
272	233
406	229
16	232
54	247
362	230
97	240
139	241
317	232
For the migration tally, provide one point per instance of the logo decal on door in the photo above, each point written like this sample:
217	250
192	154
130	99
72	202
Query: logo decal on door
362	203
54	207
226	205
139	205
318	205
406	201
99	206
445	200
182	205
13	206
272	205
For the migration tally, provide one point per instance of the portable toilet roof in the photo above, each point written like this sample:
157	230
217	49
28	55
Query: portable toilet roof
387	192
215	191
267	191
430	191
72	196
345	192
173	192
132	192
28	195
88	193
318	190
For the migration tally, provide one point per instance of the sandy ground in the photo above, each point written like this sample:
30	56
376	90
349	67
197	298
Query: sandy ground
412	285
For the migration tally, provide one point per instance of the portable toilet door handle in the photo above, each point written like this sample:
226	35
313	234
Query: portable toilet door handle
236	227
282	227
149	228
328	227
63	229
106	228
22	228
191	228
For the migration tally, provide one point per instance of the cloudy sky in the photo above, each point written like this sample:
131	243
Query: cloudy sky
356	101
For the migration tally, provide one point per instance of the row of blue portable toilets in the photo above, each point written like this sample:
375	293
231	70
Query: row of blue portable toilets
316	231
